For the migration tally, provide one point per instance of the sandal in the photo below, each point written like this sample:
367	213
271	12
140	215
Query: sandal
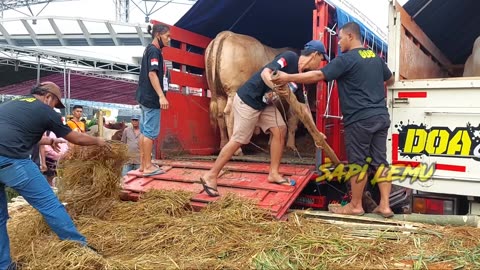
285	180
208	189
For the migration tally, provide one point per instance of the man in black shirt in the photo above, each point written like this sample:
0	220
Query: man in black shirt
252	106
360	75
23	123
151	95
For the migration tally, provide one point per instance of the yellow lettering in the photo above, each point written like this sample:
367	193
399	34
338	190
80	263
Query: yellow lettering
421	137
28	99
379	175
437	147
412	172
426	171
460	144
353	169
338	173
324	169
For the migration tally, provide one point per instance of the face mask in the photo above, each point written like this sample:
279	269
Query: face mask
160	42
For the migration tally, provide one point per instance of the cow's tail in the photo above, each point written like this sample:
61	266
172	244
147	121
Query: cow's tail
213	91
212	65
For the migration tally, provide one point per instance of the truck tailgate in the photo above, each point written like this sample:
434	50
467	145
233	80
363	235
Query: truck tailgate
247	180
436	125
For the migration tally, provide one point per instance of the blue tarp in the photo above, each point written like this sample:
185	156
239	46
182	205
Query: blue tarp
285	23
453	25
373	40
281	23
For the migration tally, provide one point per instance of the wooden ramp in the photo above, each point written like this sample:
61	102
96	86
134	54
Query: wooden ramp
247	180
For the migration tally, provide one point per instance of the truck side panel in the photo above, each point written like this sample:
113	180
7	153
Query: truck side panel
436	125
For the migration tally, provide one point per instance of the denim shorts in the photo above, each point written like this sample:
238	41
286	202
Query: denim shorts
150	122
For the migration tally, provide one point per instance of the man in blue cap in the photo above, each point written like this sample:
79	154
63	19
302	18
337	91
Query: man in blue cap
253	106
361	76
131	136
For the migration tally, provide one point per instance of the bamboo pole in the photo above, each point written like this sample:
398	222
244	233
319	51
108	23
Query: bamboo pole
417	219
100	123
317	136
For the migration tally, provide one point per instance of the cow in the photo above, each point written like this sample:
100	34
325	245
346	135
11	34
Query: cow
230	60
472	66
110	131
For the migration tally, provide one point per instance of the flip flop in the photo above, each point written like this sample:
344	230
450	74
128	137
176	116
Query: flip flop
343	211
156	172
208	189
285	180
385	215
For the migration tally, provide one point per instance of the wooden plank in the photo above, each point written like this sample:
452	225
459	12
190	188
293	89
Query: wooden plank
171	185
409	24
239	166
246	180
415	64
184	57
185	79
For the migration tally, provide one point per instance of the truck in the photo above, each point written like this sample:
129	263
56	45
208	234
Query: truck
433	107
418	102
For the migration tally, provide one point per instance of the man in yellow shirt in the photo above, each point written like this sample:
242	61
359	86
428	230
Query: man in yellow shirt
75	124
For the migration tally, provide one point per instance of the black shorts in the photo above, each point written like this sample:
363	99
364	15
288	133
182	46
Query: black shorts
367	138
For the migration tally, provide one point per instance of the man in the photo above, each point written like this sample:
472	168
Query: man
23	122
252	107
75	123
360	75
130	136
50	158
151	95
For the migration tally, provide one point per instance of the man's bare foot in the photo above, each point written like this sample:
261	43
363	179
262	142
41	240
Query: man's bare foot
209	186
278	179
385	212
348	209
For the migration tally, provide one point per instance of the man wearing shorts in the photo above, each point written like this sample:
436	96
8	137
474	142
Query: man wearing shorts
251	108
151	96
360	75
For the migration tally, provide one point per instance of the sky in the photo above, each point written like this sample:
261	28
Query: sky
375	10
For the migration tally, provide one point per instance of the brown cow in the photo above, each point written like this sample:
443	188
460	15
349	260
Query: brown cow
472	66
230	60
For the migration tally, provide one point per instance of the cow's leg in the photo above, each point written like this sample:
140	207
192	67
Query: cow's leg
229	118
222	125
292	125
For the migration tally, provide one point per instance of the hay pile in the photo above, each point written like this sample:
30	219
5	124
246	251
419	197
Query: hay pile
162	232
89	178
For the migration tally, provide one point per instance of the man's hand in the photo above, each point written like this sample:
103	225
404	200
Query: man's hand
281	78
102	142
163	103
56	144
283	91
43	168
